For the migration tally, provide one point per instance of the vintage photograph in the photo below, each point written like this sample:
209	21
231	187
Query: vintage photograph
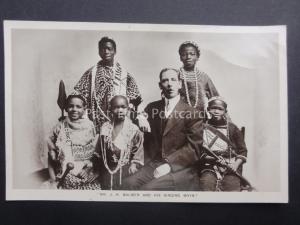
145	112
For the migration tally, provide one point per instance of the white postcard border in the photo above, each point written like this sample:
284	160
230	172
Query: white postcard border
146	196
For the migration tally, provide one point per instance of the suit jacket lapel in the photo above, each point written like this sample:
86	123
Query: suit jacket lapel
173	118
159	118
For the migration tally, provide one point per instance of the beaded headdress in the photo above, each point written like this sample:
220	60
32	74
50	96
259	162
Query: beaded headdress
194	44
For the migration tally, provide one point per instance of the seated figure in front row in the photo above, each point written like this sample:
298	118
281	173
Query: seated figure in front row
73	140
175	143
119	151
227	142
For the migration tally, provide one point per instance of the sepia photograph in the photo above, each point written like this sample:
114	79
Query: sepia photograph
145	112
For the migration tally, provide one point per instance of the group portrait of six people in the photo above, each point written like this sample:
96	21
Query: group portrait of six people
184	141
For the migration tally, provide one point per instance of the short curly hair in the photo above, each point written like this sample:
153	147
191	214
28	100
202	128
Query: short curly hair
75	96
105	40
189	44
115	98
215	99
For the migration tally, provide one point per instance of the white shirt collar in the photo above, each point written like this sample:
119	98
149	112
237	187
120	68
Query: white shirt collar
170	104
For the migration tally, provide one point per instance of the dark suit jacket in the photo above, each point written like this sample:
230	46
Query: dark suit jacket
177	139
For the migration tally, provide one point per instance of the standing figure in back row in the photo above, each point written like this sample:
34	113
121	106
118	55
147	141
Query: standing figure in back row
197	87
103	81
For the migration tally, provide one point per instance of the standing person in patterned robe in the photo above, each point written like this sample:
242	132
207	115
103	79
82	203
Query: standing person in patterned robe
197	87
105	80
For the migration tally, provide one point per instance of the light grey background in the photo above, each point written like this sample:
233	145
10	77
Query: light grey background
243	67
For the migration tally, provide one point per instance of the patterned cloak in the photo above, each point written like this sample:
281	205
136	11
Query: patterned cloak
99	84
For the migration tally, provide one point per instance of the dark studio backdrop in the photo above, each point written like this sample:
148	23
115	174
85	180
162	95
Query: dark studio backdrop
165	12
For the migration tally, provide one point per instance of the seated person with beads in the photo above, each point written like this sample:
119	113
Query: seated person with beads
229	147
119	151
72	141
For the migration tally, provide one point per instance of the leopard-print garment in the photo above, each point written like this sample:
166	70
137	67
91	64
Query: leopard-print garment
73	182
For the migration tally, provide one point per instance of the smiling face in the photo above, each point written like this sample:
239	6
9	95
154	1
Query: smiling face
119	108
189	56
75	108
107	52
217	110
170	83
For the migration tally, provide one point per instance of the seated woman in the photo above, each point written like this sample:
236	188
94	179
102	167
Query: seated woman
120	146
73	141
230	147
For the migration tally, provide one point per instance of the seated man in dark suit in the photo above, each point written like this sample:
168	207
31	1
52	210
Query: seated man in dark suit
174	144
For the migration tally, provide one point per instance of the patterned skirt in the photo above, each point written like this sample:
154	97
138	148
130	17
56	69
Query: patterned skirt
73	182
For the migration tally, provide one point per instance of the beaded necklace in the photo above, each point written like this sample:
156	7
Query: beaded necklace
87	149
184	76
124	154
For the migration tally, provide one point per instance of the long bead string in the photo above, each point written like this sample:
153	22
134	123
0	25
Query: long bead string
186	88
103	150
123	155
